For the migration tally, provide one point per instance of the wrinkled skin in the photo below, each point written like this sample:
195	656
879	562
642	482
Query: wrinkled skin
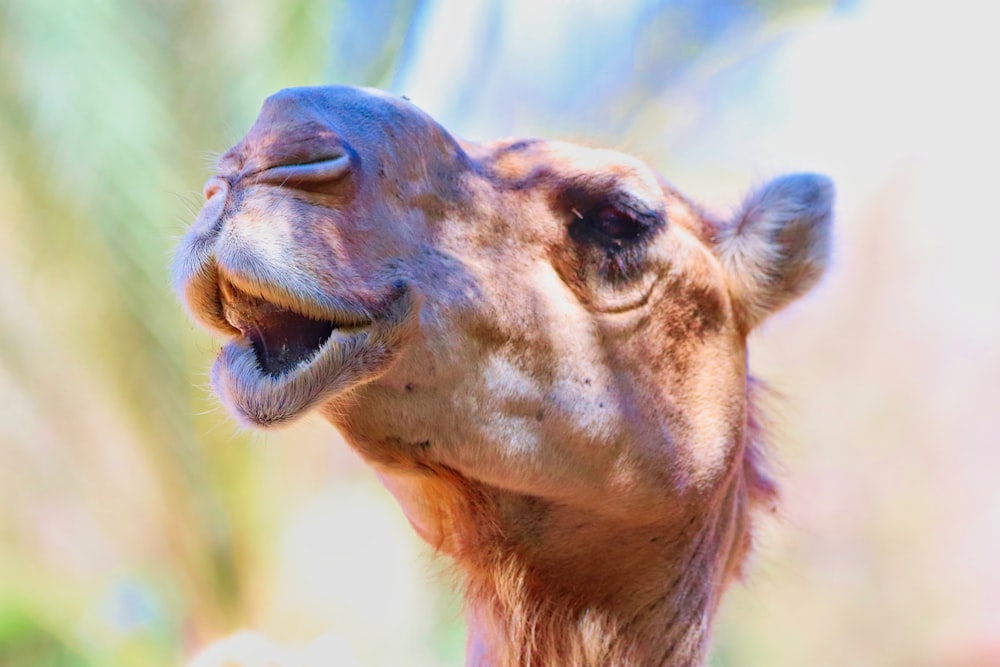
554	326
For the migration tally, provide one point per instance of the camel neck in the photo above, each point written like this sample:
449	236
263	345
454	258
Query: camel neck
558	586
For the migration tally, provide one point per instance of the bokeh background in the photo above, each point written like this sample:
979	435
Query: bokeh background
137	522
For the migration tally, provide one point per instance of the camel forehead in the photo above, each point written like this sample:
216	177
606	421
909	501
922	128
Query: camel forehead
571	175
526	161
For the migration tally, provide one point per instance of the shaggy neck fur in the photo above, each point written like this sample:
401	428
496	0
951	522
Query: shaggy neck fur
636	595
546	584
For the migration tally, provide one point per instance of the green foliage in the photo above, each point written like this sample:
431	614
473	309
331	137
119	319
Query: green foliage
24	641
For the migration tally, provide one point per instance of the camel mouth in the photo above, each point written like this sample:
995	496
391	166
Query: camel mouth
286	356
283	339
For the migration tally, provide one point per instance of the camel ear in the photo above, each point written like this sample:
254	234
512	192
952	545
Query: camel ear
779	245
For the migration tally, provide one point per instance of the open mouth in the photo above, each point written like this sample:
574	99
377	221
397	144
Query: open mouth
291	356
282	339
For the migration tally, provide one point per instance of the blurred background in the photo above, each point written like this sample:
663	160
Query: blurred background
138	522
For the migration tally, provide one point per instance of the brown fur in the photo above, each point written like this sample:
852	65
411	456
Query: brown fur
540	348
533	621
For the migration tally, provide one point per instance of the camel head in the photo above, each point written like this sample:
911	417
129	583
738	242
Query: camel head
552	322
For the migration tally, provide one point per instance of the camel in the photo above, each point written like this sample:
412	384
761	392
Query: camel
539	347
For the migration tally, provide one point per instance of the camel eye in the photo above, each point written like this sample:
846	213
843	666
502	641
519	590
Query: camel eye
612	238
615	224
612	226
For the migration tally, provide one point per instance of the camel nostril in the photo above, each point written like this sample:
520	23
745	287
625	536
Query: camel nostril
214	186
314	172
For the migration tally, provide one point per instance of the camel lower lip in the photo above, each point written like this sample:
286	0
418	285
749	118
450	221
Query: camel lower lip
260	397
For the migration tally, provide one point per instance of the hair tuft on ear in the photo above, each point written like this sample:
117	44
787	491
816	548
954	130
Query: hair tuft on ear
778	246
